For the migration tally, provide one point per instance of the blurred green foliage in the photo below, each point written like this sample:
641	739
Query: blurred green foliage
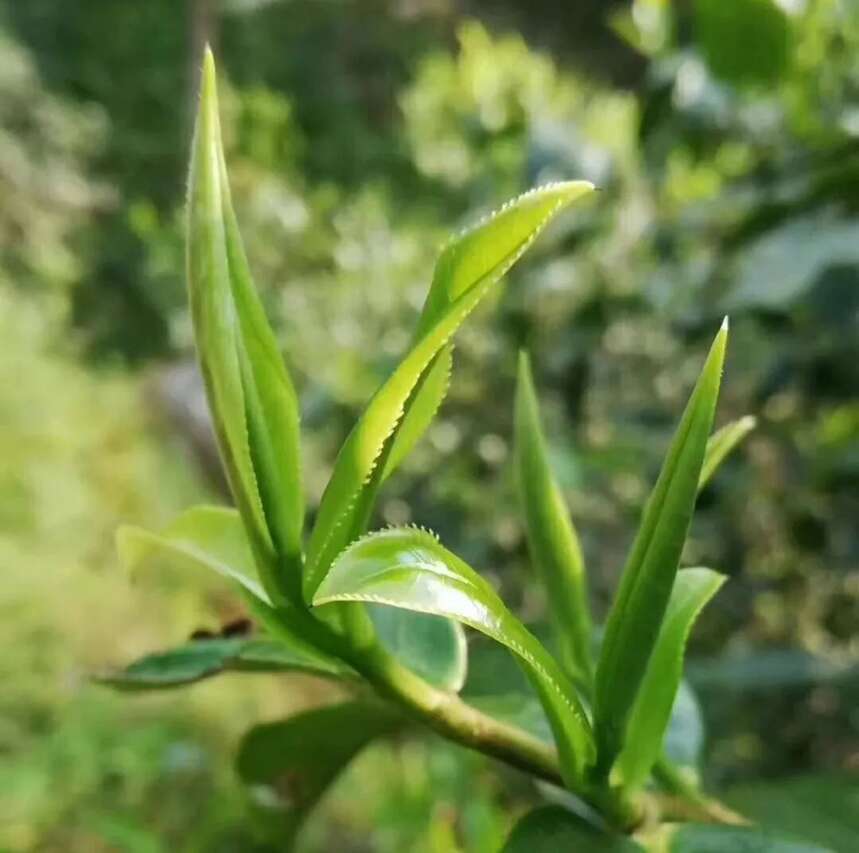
357	133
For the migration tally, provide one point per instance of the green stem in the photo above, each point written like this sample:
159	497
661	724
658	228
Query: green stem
446	714
689	802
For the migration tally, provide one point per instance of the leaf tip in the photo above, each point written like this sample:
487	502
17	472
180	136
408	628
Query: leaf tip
523	364
571	190
720	344
208	73
208	86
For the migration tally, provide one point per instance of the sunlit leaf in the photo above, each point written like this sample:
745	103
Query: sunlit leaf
251	396
409	568
645	732
430	646
289	764
469	265
552	540
721	444
648	577
201	659
203	537
553	829
421	410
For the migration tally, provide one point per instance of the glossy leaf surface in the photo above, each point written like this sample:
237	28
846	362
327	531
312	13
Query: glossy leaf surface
409	568
721	444
206	658
290	763
552	540
645	732
467	268
648	577
553	829
252	399
203	537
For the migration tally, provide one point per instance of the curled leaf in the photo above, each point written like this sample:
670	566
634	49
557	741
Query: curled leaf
410	569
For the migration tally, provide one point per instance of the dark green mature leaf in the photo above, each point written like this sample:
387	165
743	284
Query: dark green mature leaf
205	658
469	265
645	732
648	578
721	443
290	763
744	41
432	647
552	540
554	829
207	537
821	808
251	396
409	568
712	838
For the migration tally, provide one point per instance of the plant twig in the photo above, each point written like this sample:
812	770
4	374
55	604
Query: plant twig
686	801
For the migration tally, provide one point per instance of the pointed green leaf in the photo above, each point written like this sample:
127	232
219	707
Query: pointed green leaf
290	763
409	568
645	732
421	409
487	250
253	402
721	443
432	647
207	537
554	829
552	540
648	577
467	268
201	659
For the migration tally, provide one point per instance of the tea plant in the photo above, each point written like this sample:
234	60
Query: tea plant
383	612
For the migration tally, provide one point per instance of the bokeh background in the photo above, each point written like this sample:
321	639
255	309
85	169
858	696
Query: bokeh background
360	133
